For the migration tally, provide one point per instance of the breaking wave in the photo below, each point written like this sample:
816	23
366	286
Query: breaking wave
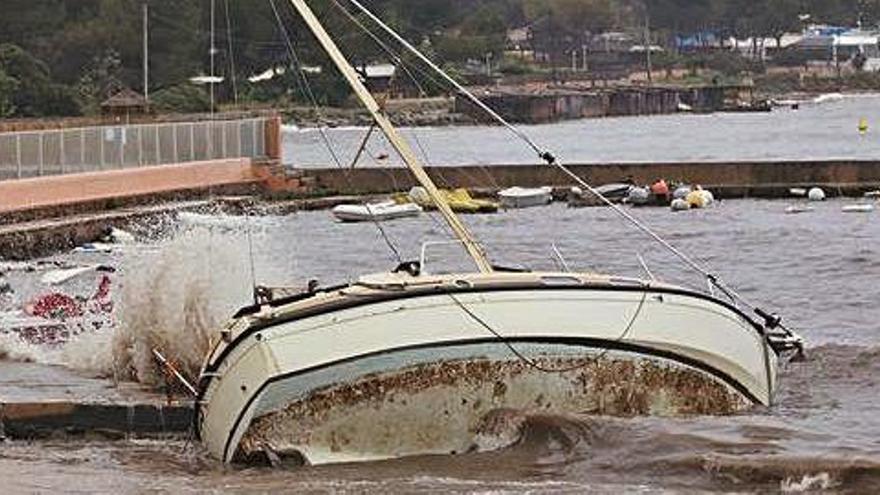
594	449
172	299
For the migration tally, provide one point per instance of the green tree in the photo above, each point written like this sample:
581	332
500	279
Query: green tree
8	88
577	16
183	98
35	95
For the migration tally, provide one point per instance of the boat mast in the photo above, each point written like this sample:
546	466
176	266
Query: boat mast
403	148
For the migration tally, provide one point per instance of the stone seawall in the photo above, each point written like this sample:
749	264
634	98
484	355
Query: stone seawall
567	102
732	179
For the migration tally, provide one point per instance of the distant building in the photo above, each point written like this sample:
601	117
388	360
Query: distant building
378	78
124	104
764	48
519	43
698	41
520	38
612	41
840	45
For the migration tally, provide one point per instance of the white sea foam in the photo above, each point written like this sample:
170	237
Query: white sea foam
173	298
12	348
809	482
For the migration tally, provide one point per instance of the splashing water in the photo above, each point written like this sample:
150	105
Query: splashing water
173	298
821	481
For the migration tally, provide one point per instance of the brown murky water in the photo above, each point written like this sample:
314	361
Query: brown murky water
819	269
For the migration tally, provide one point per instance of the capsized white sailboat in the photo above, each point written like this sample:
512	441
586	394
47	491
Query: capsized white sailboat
412	362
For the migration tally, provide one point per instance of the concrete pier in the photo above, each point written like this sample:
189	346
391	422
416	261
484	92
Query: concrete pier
730	179
38	400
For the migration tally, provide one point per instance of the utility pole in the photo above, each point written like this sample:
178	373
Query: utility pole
584	58
231	55
213	52
146	52
648	48
574	61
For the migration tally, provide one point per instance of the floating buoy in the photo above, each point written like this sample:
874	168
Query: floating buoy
863	126
858	208
700	198
681	192
660	188
797	191
708	197
816	194
638	195
680	205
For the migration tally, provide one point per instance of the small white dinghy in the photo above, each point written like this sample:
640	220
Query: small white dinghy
525	197
376	212
866	208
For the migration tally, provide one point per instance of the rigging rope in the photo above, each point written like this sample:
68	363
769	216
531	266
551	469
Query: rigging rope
306	89
534	364
547	156
398	59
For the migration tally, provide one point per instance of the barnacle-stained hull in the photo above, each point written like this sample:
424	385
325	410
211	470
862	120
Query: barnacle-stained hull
405	365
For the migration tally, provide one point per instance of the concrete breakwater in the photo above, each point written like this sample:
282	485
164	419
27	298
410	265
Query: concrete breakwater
729	179
38	401
568	102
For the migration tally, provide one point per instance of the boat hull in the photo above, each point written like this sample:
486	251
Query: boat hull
312	383
411	403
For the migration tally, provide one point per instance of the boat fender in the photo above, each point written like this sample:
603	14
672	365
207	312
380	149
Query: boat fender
680	205
816	194
638	195
681	192
548	157
413	268
660	188
708	197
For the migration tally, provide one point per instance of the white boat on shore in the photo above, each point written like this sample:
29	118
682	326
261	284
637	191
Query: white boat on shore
525	197
413	362
376	212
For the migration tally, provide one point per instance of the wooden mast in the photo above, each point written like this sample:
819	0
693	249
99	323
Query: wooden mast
403	148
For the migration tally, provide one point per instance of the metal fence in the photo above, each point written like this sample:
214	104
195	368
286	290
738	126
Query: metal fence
93	149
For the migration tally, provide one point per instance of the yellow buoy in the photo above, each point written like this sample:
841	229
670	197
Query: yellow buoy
863	126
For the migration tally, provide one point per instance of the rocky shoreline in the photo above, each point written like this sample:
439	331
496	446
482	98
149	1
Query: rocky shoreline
428	112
